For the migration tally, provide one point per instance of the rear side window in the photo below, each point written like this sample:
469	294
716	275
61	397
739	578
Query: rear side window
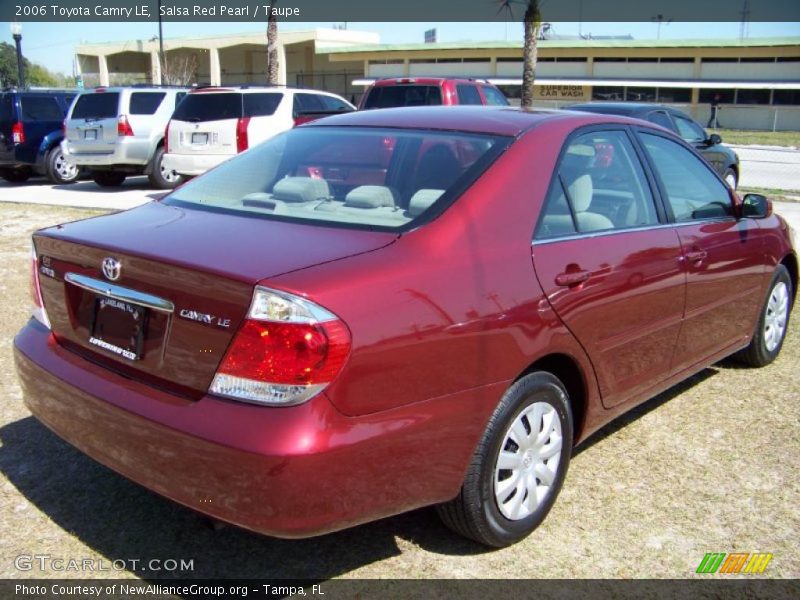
96	106
468	94
693	191
209	107
261	105
6	107
494	97
40	108
305	103
689	130
659	117
146	103
600	186
388	96
335	104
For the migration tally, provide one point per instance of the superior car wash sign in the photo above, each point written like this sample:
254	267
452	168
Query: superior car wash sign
562	92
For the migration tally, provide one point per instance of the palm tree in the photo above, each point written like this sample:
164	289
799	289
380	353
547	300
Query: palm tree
272	48
532	22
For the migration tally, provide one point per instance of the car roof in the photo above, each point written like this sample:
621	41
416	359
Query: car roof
621	108
134	88
389	81
223	89
493	120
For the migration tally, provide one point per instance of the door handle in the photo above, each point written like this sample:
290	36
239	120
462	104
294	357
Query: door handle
696	255
572	278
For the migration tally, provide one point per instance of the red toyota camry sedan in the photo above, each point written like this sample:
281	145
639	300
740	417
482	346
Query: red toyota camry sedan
391	309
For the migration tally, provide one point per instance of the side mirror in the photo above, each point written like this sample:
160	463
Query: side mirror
714	139
756	206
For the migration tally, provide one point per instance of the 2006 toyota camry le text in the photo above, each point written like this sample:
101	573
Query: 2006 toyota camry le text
391	309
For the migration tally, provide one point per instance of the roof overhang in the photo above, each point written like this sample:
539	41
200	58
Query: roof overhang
660	83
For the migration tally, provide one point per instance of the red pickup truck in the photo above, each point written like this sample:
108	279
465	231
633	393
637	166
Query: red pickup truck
430	91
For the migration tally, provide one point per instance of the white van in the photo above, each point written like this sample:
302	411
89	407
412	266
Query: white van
212	124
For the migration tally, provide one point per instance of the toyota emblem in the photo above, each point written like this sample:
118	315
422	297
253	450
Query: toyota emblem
112	268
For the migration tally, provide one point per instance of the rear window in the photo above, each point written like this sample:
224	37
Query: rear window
388	96
209	107
146	103
261	105
40	108
355	177
102	105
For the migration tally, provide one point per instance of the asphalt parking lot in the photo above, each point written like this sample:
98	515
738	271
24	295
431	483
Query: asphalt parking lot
710	466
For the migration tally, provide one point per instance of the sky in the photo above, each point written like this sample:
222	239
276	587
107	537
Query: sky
52	44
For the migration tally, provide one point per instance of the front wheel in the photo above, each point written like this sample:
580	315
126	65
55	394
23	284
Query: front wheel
59	170
771	328
519	466
160	177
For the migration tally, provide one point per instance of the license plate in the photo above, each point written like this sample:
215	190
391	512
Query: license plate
199	138
119	327
90	134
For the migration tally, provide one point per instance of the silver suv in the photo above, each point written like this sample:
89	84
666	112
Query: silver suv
119	131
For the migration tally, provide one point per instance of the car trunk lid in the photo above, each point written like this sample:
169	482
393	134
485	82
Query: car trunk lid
184	283
92	125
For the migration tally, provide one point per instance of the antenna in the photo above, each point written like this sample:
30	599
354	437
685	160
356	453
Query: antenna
744	25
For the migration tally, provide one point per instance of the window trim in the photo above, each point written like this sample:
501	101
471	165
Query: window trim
638	131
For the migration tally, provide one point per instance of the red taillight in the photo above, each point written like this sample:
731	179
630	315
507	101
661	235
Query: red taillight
123	127
18	133
300	119
286	351
241	134
166	137
36	291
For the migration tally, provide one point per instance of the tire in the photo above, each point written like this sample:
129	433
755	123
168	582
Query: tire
772	323
159	178
58	169
108	178
488	509
730	178
15	175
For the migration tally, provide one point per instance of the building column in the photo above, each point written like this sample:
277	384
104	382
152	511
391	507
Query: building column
214	72
155	68
281	64
406	67
493	66
102	63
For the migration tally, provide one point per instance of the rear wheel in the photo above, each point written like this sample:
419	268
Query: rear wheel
160	177
59	169
771	329
108	178
15	175
519	465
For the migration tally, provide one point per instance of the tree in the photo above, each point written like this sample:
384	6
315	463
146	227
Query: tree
532	23
272	47
35	75
179	69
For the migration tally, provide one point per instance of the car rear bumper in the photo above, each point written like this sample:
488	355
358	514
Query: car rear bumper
193	164
123	152
289	472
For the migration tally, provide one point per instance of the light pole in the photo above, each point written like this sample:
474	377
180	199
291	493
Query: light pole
162	66
16	33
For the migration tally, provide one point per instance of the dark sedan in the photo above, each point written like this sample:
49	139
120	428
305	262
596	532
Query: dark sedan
722	158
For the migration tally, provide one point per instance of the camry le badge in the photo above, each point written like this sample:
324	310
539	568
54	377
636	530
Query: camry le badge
112	268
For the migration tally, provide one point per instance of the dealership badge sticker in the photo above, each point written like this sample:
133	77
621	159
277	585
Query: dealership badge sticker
736	562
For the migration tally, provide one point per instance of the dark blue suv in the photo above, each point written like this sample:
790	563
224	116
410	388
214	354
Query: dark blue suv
31	131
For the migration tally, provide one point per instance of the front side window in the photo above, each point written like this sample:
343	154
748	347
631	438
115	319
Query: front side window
693	191
600	185
689	130
375	178
494	97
